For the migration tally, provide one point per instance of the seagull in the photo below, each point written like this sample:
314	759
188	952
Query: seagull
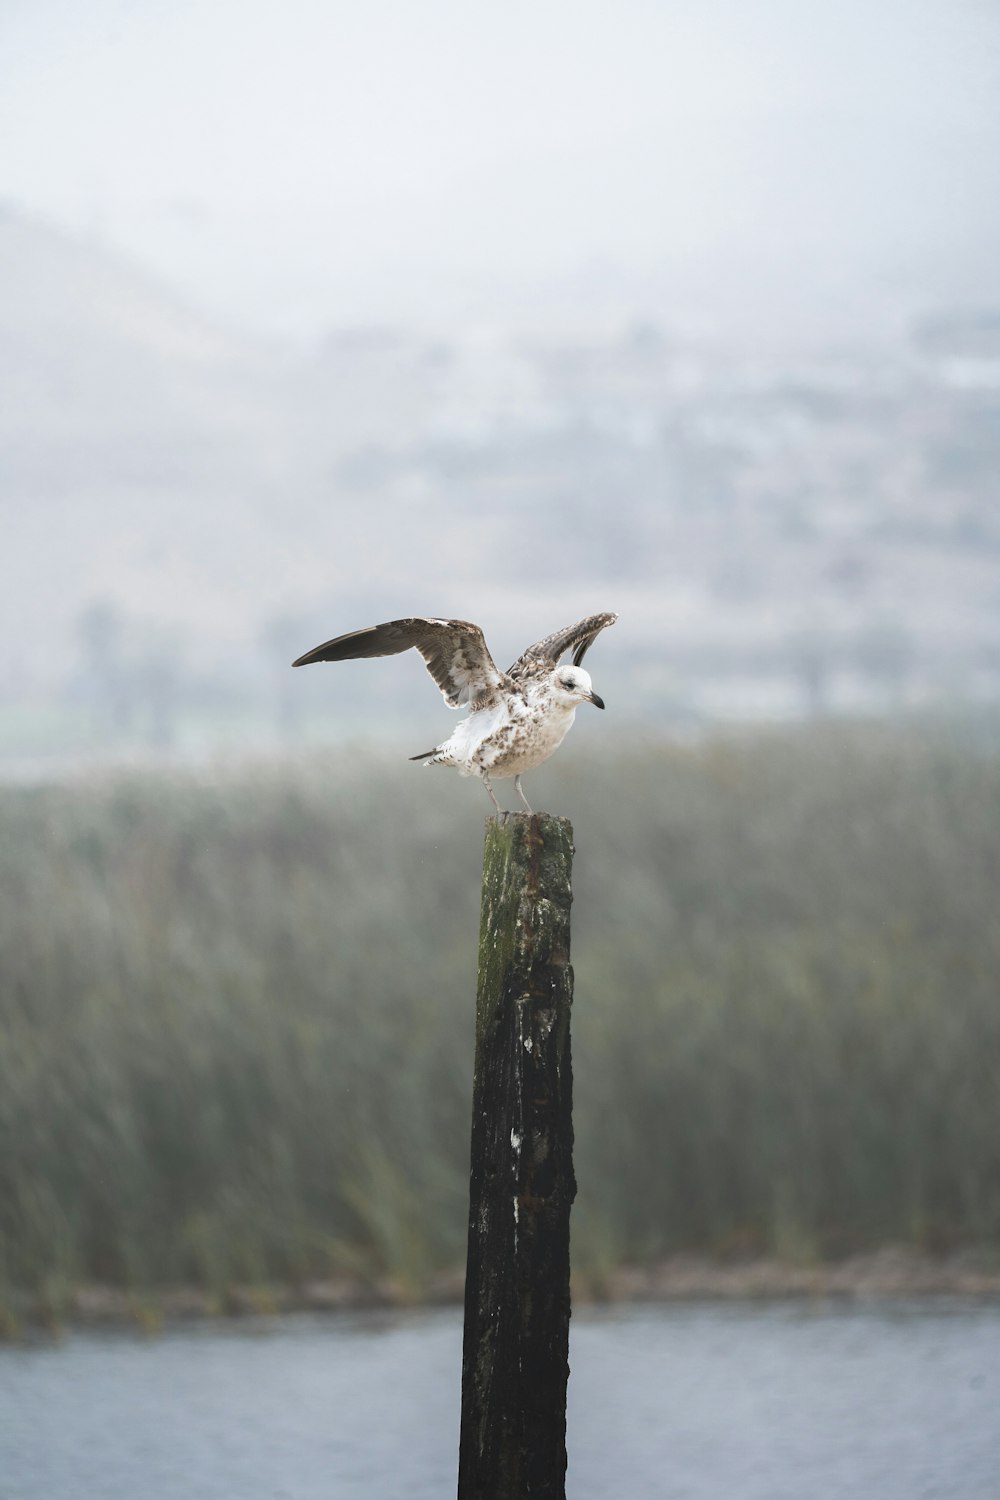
516	718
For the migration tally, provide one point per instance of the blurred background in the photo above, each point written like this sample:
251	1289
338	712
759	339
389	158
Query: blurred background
314	315
311	318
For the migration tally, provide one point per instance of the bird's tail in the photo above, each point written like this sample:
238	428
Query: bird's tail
426	754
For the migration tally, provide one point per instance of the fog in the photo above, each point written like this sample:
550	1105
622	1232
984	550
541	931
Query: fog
310	313
299	164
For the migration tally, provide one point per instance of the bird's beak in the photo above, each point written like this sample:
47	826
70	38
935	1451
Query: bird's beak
597	702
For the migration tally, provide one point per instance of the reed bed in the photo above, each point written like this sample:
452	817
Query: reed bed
236	1011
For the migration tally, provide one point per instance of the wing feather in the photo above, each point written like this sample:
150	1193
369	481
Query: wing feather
576	638
454	651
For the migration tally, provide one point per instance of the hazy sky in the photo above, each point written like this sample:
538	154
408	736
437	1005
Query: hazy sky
292	163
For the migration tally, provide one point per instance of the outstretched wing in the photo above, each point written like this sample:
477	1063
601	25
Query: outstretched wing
454	650
575	638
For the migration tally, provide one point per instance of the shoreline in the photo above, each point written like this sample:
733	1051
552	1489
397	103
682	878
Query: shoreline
892	1272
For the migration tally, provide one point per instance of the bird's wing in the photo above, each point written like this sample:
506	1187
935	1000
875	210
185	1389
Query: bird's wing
547	652
454	650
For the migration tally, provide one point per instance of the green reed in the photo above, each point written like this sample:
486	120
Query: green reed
236	1010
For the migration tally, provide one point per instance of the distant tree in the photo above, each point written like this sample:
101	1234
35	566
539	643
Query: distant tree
812	665
101	635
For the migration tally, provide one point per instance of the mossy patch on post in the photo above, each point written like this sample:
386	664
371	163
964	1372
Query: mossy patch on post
527	893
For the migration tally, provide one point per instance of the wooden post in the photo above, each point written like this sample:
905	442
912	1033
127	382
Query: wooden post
517	1305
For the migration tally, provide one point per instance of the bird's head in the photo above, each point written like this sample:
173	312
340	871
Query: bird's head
572	685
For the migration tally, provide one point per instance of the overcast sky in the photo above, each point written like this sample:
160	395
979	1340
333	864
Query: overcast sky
296	163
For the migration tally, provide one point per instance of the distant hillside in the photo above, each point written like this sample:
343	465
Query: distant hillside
199	484
810	534
89	346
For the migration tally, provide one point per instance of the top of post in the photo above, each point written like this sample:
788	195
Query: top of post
530	856
521	833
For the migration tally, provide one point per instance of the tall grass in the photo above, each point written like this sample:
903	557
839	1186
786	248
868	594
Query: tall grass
236	1012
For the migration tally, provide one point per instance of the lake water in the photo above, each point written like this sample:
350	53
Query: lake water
890	1401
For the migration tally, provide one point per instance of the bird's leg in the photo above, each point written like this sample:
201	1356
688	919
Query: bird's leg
517	788
486	784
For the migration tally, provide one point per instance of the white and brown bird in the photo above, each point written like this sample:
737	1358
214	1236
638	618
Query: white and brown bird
516	718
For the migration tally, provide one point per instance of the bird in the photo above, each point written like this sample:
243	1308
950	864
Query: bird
516	718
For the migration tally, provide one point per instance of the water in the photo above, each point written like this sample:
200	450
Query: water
697	1402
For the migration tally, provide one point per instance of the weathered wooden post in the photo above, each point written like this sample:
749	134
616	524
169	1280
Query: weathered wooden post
515	1362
